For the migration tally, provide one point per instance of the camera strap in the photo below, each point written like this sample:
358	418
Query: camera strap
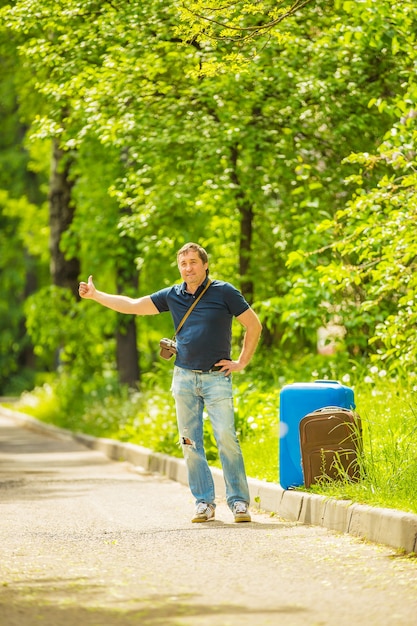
180	325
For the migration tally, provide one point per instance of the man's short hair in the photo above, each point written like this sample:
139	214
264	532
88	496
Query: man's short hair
196	248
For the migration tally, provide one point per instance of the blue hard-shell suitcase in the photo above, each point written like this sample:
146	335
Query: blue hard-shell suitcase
296	400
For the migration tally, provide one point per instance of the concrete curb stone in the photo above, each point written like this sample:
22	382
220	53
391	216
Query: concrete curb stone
390	527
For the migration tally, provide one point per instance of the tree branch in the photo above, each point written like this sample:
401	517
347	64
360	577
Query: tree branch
252	30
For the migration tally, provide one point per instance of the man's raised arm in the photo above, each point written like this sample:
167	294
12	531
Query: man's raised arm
121	304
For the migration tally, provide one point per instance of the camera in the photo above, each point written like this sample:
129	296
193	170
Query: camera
168	348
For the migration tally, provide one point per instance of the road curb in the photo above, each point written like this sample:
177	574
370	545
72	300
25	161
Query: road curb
391	527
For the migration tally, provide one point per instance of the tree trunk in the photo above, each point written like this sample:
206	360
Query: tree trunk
246	231
64	272
245	247
127	354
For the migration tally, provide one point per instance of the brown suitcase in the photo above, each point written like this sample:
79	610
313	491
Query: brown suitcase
331	440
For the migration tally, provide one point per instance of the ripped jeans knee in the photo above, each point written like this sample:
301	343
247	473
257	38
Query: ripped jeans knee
187	442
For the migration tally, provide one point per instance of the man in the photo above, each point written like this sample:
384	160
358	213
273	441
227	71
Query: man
202	371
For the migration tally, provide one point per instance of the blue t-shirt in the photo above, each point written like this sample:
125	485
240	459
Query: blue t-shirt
206	335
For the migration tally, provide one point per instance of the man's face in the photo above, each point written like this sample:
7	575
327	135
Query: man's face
192	268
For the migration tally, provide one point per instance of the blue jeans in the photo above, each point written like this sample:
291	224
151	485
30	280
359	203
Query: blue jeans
213	390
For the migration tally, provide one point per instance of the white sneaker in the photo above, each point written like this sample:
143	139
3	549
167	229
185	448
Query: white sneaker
204	512
241	513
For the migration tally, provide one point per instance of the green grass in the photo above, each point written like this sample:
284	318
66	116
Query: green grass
388	410
389	461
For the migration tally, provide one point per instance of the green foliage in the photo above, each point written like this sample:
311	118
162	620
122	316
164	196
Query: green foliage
356	265
23	230
12	281
221	25
296	169
374	269
69	337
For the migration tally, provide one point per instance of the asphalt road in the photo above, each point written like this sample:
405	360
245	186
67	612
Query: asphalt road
85	541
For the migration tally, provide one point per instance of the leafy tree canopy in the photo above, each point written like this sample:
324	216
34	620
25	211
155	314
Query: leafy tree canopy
297	173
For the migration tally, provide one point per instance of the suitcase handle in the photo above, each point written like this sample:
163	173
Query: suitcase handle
337	408
331	382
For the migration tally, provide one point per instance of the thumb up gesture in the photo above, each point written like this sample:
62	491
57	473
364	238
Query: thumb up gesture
87	290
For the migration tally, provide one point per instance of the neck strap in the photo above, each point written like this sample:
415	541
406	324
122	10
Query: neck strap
180	325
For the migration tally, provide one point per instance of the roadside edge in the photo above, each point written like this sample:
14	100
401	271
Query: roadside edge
390	527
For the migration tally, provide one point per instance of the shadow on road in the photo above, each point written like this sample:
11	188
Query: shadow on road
70	602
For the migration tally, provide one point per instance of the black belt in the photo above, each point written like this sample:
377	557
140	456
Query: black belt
215	368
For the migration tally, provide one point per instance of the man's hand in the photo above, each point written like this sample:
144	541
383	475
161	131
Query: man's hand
253	329
116	302
87	290
229	366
